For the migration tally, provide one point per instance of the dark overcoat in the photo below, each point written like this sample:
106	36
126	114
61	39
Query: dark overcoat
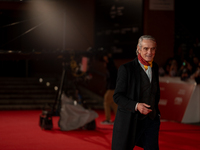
126	95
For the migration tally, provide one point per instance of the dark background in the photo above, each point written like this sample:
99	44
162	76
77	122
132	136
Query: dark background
43	32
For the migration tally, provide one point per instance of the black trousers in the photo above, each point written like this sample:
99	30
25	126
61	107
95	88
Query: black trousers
147	133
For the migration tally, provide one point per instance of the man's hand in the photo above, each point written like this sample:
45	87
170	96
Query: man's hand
143	108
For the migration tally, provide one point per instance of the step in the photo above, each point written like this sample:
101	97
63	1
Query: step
27	101
30	96
26	86
22	107
25	79
26	91
29	93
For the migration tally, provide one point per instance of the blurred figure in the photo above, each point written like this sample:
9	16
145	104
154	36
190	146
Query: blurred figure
173	69
161	71
195	60
111	77
167	66
197	47
191	54
196	74
186	70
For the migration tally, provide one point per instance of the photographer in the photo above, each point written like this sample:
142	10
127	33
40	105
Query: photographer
185	71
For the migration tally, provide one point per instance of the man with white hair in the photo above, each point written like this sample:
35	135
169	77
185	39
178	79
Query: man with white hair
137	94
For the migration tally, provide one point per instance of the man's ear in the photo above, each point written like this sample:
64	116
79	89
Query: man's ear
138	49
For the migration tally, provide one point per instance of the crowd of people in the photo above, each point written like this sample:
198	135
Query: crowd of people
184	65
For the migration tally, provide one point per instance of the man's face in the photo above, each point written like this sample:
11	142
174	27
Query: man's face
147	50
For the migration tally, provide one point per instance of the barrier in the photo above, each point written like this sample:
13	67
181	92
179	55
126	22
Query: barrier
179	100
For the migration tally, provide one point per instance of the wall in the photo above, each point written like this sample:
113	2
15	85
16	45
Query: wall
80	26
160	24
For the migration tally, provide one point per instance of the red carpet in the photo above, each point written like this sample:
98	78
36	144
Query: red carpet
19	130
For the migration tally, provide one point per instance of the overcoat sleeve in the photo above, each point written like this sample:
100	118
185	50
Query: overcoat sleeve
124	91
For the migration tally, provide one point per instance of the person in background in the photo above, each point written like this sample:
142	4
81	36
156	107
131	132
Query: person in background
196	74
111	77
173	70
195	61
186	70
137	94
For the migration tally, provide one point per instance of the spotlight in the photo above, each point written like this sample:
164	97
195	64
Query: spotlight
48	84
40	80
55	88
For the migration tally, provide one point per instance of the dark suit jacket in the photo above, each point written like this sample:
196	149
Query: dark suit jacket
126	95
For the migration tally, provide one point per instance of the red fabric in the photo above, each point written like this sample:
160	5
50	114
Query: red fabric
144	62
19	130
